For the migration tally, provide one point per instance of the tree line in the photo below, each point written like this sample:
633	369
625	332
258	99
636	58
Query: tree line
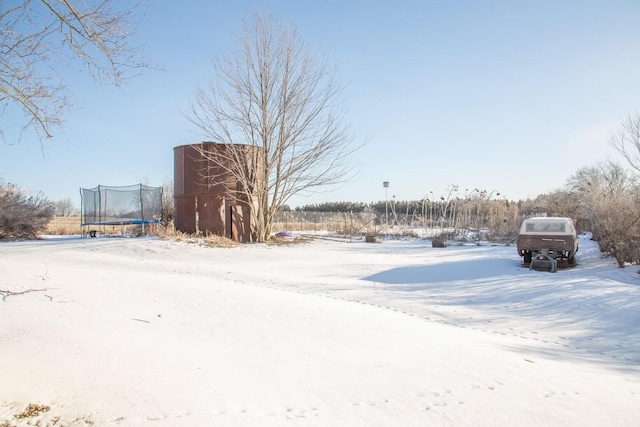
603	199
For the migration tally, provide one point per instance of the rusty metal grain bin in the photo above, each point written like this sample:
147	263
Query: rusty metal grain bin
206	196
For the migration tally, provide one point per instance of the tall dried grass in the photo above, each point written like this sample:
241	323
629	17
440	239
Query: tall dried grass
70	225
64	225
342	223
210	240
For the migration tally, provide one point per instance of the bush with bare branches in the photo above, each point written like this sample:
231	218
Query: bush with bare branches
22	215
611	208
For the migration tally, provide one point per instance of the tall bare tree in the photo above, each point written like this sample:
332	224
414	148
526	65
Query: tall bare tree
626	140
39	38
279	98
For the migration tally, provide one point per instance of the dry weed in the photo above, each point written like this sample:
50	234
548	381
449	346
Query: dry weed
209	240
64	225
32	410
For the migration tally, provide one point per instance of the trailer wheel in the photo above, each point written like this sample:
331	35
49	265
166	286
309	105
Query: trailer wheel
572	260
527	257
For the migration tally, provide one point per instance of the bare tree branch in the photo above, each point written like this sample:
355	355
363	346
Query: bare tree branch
626	140
41	37
7	293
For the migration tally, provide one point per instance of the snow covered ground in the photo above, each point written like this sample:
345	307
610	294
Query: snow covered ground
150	332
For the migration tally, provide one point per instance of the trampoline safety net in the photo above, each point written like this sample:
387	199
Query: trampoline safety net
110	205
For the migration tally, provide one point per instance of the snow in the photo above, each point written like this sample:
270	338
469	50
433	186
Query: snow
151	332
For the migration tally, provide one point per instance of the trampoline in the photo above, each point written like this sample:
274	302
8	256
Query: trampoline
120	210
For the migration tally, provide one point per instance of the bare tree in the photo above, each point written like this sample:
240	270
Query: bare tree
626	140
560	203
280	100
40	37
64	207
611	206
168	208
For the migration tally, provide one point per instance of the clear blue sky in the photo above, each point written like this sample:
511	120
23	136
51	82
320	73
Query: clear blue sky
511	95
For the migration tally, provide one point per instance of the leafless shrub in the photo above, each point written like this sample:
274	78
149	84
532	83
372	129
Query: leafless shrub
611	207
22	215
